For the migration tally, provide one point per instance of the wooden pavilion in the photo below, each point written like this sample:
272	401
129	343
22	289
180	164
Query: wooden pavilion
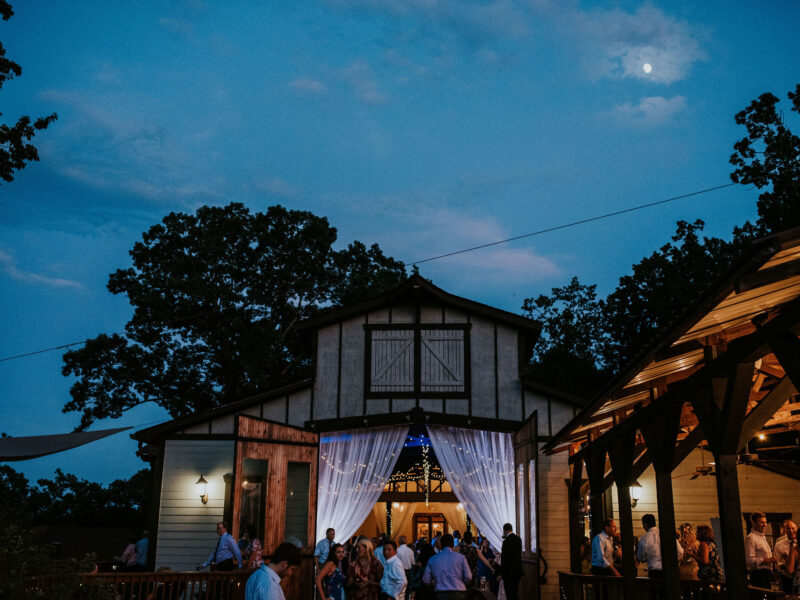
727	370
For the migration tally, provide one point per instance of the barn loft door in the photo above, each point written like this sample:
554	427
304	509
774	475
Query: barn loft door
525	467
275	490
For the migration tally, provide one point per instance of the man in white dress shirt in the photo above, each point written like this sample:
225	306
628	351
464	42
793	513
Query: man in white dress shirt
406	555
393	582
265	582
758	553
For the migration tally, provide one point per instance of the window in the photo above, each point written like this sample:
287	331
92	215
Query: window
253	499
532	503
522	506
297	484
417	361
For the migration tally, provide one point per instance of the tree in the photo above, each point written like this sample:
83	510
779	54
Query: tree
662	285
15	149
217	296
769	158
566	353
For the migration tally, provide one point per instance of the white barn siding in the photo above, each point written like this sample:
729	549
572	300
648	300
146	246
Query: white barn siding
553	518
482	367
509	387
327	372
352	392
187	527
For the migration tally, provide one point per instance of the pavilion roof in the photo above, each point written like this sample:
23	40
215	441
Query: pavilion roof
762	285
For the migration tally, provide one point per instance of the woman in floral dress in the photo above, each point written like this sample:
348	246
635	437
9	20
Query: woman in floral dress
364	576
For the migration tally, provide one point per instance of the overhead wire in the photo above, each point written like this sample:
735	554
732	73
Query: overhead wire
454	253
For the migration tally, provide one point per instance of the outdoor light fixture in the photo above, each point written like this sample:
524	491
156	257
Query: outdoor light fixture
636	493
202	489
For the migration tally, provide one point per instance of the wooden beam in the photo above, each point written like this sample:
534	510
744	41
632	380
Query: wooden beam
417	497
766	409
595	472
730	517
774	274
786	347
620	454
575	500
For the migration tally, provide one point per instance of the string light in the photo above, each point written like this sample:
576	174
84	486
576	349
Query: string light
426	473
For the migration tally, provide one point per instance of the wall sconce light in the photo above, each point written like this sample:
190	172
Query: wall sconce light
636	493
202	489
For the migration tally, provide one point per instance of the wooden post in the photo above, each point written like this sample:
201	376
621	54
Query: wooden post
575	500
721	406
621	455
660	435
389	519
595	471
730	521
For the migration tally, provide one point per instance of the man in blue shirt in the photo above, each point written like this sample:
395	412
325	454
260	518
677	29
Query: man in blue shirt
324	546
221	559
141	551
265	582
448	571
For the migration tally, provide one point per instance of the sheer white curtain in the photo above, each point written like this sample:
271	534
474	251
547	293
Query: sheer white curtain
353	468
379	512
480	468
401	517
456	519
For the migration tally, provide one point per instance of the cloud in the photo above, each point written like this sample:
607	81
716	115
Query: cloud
275	186
473	22
617	44
112	142
359	76
8	267
650	111
309	86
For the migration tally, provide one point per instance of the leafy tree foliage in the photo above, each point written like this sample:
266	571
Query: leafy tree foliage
564	354
15	149
216	297
769	158
586	338
68	500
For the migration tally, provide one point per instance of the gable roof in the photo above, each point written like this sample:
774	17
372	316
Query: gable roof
762	281
414	290
163	429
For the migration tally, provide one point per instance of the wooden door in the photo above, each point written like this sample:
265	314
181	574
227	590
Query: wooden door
527	526
275	490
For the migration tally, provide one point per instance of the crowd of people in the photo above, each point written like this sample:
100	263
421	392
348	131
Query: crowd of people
698	555
446	567
443	568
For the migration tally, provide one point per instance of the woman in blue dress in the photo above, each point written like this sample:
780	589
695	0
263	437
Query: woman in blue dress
331	577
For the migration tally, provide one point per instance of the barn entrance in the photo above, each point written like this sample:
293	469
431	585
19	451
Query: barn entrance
417	500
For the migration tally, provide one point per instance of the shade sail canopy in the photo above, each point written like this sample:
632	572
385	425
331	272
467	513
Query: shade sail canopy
25	448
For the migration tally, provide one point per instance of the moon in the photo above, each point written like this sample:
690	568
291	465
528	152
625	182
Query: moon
647	67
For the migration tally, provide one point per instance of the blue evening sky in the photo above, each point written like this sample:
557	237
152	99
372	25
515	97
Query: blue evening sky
423	125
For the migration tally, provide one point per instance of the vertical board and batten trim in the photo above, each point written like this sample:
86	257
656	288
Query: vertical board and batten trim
468	360
339	376
314	364
496	384
549	417
286	419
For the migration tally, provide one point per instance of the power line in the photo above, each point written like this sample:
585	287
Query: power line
432	258
572	224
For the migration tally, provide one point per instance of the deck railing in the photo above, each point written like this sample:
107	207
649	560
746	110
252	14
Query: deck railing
573	586
199	585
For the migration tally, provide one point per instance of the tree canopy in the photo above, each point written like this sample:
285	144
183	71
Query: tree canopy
216	296
15	149
584	339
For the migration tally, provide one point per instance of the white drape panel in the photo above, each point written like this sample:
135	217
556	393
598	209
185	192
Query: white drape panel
480	468
401	517
456	519
379	512
353	469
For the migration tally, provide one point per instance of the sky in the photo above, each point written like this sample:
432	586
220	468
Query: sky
425	126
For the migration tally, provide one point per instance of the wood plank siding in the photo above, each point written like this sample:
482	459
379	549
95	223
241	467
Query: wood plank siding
186	526
696	500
